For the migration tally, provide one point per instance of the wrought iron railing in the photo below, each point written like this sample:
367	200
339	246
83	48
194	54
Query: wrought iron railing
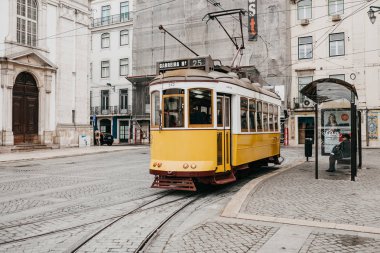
110	20
111	110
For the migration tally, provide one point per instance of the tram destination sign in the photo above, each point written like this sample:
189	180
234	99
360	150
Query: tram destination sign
198	63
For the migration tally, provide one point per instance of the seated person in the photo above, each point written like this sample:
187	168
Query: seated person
342	150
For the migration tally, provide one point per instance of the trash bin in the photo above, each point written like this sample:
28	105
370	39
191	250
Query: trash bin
308	148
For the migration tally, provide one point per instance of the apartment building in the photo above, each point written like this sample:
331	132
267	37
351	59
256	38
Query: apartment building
110	64
44	86
334	38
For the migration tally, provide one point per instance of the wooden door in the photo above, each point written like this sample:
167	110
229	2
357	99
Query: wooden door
25	109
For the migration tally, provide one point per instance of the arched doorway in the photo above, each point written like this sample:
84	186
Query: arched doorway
25	109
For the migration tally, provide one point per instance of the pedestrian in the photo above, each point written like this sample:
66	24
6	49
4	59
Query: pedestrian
342	150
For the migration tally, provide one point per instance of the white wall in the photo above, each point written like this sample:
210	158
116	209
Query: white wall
4	21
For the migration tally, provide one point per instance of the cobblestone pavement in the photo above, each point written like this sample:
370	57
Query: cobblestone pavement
327	242
62	201
296	194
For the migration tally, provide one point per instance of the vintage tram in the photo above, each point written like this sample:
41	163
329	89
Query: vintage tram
207	123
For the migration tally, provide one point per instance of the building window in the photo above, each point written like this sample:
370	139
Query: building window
336	7
105	99
337	44
105	38
124	67
124	37
124	11
302	82
338	76
105	71
124	99
27	22
305	47
106	13
304	9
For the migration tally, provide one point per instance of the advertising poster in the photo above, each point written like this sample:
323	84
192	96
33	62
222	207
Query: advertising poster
252	20
373	126
335	122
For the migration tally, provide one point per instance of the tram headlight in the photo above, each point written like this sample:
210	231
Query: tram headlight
154	164
185	165
193	166
159	164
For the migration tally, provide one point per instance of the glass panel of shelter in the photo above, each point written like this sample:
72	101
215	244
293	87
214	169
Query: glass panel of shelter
335	130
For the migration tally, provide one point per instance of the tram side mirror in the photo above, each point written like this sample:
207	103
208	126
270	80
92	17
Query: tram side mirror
160	112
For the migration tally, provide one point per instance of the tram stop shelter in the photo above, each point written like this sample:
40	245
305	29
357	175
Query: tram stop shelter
336	115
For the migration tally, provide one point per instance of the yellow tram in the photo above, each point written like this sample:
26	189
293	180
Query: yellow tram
207	123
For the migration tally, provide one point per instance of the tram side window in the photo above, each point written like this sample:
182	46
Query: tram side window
200	106
271	123
265	117
243	114
155	103
173	108
275	118
252	118
259	117
219	111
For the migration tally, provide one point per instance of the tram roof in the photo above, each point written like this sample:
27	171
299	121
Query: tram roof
201	75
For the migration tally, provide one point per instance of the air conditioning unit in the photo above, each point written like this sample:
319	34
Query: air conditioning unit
307	103
304	21
336	17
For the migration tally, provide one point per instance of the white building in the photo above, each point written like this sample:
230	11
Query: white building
111	58
44	85
334	38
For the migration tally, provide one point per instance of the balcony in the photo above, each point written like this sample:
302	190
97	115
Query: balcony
302	103
110	110
111	20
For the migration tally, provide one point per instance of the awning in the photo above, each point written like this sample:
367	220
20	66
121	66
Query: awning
329	89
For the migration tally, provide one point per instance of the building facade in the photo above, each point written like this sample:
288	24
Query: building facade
43	92
110	64
334	39
186	21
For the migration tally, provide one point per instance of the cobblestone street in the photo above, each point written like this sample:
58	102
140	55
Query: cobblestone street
55	205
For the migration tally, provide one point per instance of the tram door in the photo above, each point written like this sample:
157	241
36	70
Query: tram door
223	105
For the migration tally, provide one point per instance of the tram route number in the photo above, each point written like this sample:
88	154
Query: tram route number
197	62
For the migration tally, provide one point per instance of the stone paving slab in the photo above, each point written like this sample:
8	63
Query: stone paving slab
295	194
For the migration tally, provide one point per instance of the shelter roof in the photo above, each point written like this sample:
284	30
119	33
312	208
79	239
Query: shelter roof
329	89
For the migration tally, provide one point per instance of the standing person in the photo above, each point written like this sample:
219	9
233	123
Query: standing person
342	150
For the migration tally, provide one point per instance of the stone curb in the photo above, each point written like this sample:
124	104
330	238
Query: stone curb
51	156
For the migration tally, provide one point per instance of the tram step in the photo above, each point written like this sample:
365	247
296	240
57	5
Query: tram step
174	183
225	179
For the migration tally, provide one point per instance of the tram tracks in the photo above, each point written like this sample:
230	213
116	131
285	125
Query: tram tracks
113	218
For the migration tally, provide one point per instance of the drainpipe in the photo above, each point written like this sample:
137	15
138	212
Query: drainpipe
366	127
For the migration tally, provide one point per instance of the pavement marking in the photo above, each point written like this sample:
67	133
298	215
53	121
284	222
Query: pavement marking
233	207
288	239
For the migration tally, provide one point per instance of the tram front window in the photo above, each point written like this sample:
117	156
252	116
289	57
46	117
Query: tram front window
200	107
173	110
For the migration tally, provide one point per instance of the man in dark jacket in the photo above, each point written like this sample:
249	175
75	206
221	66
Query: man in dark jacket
343	150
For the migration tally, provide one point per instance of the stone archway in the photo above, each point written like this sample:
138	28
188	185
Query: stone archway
25	109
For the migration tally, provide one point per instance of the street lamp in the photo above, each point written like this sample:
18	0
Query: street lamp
110	85
371	13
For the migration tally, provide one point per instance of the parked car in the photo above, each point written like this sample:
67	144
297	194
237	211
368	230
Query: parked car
106	138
